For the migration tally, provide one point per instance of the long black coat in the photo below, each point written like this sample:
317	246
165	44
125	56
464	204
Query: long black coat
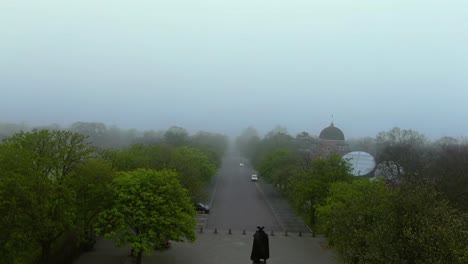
260	247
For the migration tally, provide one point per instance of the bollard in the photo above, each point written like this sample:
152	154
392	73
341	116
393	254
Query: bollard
286	233
230	231
201	229
272	233
243	232
216	231
300	233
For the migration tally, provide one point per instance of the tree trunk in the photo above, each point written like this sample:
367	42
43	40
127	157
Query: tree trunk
138	260
313	220
45	252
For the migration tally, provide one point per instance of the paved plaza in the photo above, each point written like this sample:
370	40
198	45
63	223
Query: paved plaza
211	248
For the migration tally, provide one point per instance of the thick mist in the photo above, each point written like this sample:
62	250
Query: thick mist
224	66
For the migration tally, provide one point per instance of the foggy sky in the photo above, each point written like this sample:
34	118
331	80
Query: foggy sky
221	66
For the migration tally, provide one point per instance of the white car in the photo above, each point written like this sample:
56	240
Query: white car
241	165
254	177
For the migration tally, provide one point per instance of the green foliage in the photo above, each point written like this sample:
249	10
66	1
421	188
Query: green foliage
16	227
137	156
213	145
55	153
53	211
90	182
277	166
306	142
404	147
34	166
427	229
412	161
194	168
35	213
150	208
96	133
369	223
177	136
271	143
353	218
448	170
309	188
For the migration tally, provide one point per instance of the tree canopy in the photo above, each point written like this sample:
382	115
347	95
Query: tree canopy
39	162
369	223
150	207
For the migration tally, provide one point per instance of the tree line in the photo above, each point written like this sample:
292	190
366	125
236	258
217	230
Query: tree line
414	209
59	191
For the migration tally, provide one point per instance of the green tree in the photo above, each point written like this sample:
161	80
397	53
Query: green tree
213	145
43	159
368	222
309	188
354	220
55	153
16	227
53	211
194	168
278	165
96	133
448	170
176	136
272	142
136	156
426	228
405	148
305	141
90	182
36	211
150	207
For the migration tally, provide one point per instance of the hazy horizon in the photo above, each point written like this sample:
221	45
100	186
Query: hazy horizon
224	66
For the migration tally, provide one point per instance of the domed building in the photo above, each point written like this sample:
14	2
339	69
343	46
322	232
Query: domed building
332	133
331	140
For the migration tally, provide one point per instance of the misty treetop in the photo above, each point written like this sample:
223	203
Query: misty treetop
56	153
103	136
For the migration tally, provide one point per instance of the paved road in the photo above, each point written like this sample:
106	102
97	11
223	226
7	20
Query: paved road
237	202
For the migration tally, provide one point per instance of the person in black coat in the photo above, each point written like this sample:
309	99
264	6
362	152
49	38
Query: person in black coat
260	247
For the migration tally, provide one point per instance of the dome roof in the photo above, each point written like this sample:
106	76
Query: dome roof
331	133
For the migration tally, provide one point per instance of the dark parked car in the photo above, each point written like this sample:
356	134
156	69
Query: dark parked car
202	208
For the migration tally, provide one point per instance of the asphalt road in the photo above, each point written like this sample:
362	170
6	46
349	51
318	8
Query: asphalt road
237	202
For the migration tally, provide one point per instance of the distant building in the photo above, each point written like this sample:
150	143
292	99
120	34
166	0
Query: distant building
331	141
